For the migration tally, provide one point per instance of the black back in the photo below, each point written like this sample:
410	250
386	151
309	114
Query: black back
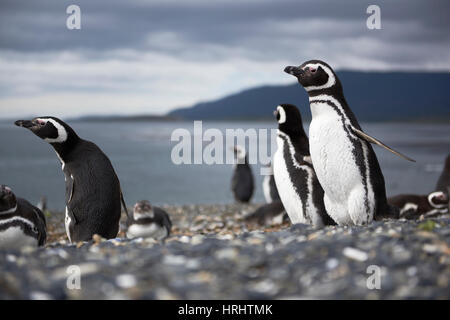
242	183
444	179
94	193
273	189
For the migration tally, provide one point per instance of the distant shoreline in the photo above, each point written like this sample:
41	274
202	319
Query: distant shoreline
154	118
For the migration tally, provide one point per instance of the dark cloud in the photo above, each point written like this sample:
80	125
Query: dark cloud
108	24
139	56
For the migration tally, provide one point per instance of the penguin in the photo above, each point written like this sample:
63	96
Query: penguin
93	194
268	214
21	224
148	222
345	163
412	206
242	183
444	179
295	178
269	187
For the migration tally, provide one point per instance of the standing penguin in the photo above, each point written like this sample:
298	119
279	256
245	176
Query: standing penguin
21	223
299	189
269	187
93	195
444	179
345	163
148	222
412	206
242	183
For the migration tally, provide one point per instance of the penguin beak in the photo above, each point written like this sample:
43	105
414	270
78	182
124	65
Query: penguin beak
275	113
24	124
295	71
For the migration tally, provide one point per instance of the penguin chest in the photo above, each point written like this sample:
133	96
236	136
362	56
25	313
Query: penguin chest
13	235
287	191
341	164
151	230
332	152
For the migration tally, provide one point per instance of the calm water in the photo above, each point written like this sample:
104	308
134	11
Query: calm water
141	155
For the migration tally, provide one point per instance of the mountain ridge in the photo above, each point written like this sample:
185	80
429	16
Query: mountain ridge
373	96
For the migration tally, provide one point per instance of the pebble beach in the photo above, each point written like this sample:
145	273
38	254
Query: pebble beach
213	254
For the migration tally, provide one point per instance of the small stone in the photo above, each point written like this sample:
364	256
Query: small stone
97	239
174	260
226	254
126	281
332	263
38	295
355	254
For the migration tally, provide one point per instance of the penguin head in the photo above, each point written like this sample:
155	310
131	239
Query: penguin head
438	199
240	154
315	75
7	199
289	119
50	129
143	209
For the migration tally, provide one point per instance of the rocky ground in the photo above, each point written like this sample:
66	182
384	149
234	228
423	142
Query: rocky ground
213	254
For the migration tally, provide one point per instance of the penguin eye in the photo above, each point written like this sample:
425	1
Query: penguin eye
312	70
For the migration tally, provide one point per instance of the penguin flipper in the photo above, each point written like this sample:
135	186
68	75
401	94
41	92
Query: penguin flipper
370	139
124	204
69	188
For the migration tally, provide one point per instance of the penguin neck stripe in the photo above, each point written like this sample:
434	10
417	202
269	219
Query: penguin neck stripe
12	210
62	132
282	115
20	219
286	138
336	105
430	201
144	215
331	78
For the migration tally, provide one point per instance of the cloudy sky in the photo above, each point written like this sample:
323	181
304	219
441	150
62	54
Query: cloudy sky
136	56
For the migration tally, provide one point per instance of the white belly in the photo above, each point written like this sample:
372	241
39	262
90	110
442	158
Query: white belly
335	166
290	199
266	189
67	222
146	231
14	238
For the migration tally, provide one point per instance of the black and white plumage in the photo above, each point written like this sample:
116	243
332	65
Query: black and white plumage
21	224
242	183
93	194
444	179
295	178
412	206
268	214
148	222
269	187
345	163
